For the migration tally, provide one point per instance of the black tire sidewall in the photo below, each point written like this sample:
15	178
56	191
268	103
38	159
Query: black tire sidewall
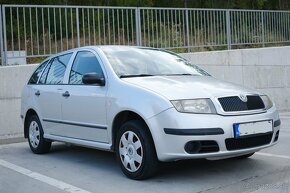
149	160
43	146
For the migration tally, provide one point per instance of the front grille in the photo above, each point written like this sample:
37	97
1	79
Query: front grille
248	142
234	103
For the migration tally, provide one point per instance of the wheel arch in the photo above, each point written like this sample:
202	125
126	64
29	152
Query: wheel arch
123	117
28	114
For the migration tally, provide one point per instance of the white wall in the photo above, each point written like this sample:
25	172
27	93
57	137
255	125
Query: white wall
12	80
267	69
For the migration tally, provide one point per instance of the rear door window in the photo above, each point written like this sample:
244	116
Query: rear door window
54	72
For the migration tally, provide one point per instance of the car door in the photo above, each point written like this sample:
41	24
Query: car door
84	106
48	93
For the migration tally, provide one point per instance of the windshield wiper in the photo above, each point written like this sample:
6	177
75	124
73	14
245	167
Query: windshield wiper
134	75
182	74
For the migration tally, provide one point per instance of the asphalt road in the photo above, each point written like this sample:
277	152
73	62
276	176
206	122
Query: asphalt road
76	169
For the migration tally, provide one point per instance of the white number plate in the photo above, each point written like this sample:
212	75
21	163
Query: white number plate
252	128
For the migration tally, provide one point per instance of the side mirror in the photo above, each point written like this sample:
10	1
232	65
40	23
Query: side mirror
93	78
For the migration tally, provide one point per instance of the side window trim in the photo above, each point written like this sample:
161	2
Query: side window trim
68	67
48	68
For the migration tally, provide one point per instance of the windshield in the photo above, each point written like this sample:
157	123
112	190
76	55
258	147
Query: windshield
133	62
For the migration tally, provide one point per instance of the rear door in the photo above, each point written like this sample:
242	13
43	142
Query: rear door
84	106
48	93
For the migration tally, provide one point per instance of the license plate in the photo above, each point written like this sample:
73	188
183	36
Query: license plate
252	128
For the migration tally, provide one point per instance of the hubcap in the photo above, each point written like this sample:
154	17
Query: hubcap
34	134
131	151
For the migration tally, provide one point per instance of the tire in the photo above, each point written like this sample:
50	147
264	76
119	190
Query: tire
244	156
37	143
135	150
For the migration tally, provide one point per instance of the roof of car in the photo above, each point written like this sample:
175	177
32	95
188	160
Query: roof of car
96	46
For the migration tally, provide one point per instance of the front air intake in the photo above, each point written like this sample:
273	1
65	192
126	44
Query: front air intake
196	147
248	142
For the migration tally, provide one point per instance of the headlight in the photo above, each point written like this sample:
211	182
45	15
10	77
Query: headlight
204	106
267	101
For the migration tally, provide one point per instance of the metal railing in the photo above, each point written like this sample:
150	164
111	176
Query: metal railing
34	31
1	38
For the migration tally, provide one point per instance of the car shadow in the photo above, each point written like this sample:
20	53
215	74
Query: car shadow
178	170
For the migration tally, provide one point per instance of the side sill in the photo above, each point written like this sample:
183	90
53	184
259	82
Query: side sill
80	142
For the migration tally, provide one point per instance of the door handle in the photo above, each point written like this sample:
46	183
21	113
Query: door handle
66	94
37	93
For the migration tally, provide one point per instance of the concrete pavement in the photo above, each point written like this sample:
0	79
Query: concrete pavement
76	169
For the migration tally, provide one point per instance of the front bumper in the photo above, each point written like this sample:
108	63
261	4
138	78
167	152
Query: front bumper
171	146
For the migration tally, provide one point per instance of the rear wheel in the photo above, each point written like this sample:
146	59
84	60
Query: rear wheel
135	150
36	141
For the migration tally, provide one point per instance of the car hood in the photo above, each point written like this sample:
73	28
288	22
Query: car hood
189	87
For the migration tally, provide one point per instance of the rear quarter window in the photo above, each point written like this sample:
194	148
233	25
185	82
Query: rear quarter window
35	76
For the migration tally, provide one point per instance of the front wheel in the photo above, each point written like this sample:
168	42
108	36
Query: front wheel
36	141
135	150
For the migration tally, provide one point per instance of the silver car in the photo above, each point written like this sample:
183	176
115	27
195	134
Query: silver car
146	105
